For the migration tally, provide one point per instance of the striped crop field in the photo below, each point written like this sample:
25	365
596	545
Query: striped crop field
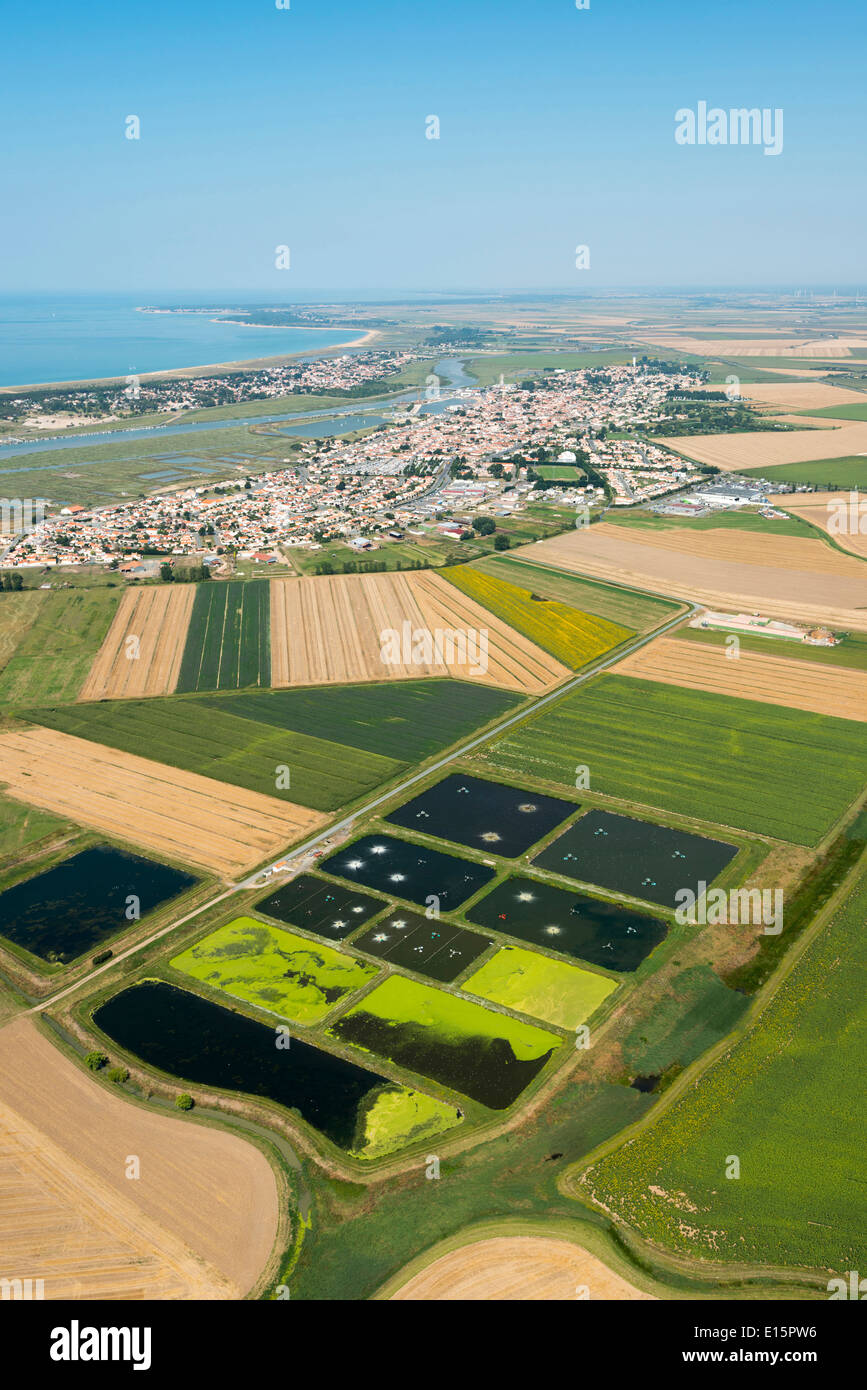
571	636
228	640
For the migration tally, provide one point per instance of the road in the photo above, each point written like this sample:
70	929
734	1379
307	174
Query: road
307	845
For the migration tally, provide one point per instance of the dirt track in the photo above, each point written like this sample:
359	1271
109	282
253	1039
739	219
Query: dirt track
158	619
199	1222
190	818
752	676
829	592
517	1269
329	630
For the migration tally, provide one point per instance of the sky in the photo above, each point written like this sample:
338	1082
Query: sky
263	127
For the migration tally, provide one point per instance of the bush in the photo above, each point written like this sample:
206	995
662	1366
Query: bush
118	1075
184	1101
95	1060
501	542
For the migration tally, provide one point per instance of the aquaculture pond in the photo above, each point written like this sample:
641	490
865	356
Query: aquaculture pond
484	815
207	1045
274	969
324	908
433	948
483	1054
409	871
602	933
85	899
635	856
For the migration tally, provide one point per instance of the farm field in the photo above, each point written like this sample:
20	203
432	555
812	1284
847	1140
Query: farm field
852	651
18	613
487	1056
71	1216
549	990
780	576
836	513
331	630
711	757
227	645
22	828
634	518
849	471
142	652
409	721
572	637
221	746
740	453
773	1099
516	1269
274	969
817	397
175	813
855	409
55	653
774	680
636	611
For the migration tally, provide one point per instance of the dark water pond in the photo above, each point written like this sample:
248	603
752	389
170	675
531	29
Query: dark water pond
409	871
203	1043
435	949
601	933
84	900
324	908
484	815
636	857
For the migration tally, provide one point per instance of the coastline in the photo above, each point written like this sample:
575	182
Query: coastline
209	369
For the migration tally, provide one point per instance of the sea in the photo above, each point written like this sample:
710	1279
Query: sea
80	337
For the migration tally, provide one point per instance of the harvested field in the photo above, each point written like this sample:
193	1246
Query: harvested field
189	818
158	619
18	613
819	507
729	570
799	395
516	1269
199	1222
769	679
329	629
766	449
824	349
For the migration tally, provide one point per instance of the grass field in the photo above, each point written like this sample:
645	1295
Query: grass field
738	520
228	642
635	611
18	613
488	370
852	651
781	772
549	990
274	969
559	472
22	827
572	637
839	412
322	775
846	472
409	721
788	1100
57	649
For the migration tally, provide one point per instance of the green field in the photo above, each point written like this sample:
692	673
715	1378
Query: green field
561	472
56	650
323	775
228	642
847	472
407	720
738	520
852	651
788	1100
781	772
635	611
487	370
573	637
18	613
274	969
550	990
22	827
838	412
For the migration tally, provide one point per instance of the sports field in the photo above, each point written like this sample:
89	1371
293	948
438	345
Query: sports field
227	645
572	637
189	818
772	679
781	772
215	743
274	969
142	652
533	984
788	1100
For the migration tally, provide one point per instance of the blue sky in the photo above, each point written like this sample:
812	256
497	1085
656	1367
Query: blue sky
306	127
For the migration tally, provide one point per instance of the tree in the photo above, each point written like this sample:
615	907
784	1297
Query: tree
118	1075
166	572
184	1101
496	470
485	525
95	1060
501	542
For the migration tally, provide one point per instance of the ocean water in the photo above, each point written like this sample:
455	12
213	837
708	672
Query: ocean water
62	337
